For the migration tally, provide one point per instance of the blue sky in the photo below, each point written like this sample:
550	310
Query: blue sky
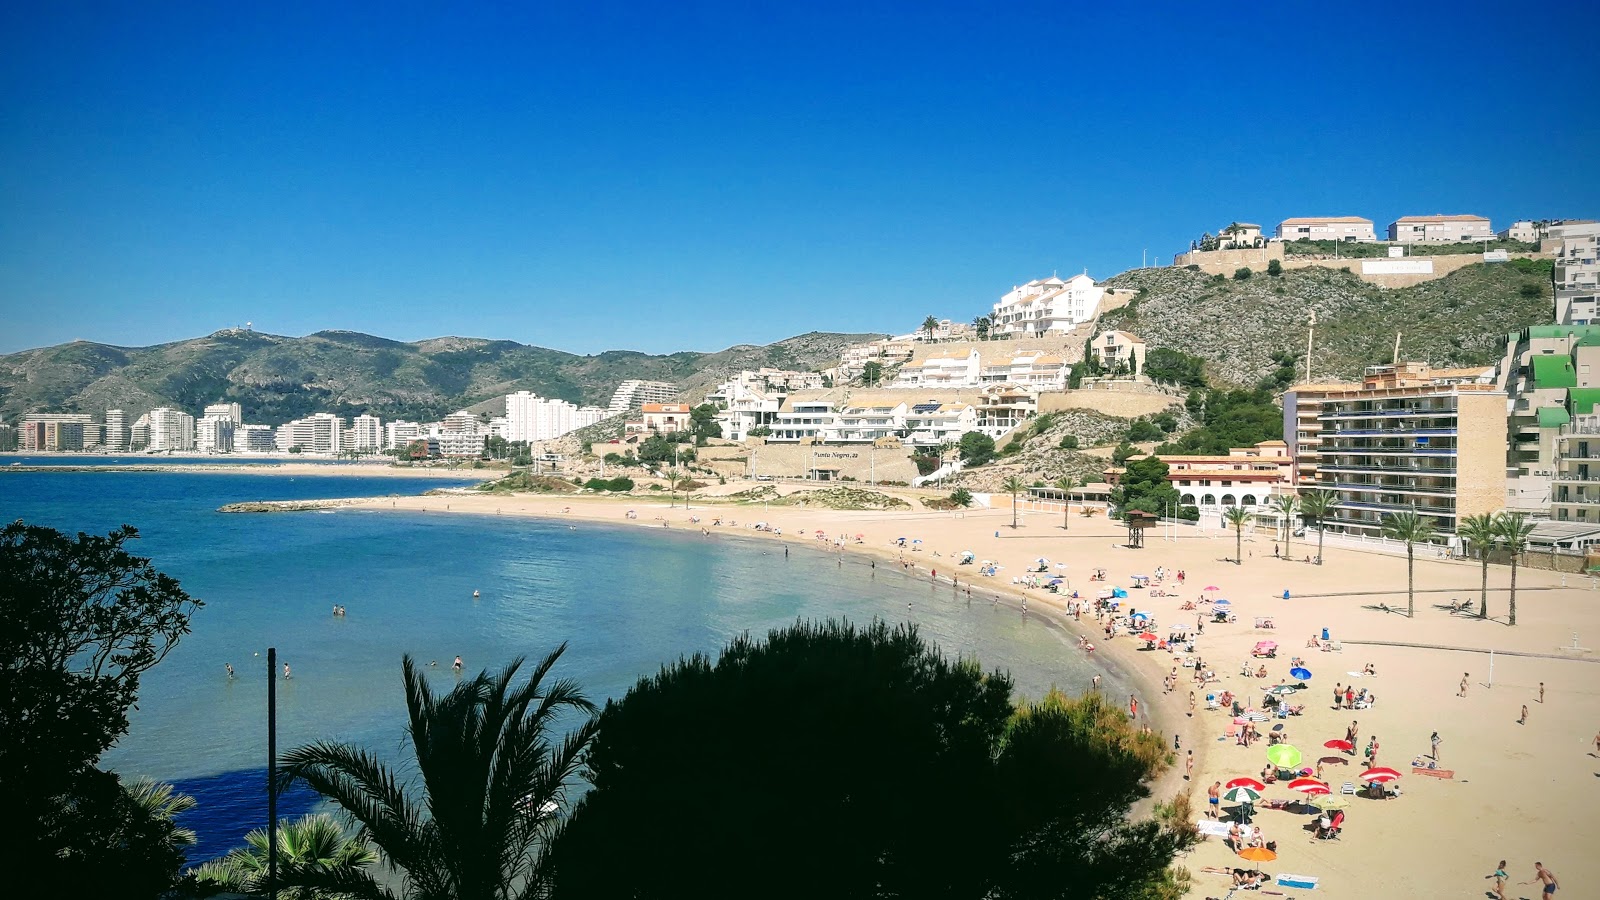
654	176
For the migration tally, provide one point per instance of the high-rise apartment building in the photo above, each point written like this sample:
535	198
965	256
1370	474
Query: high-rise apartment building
530	417
139	433
54	432
171	430
399	434
633	393
116	436
366	434
1577	271
214	434
1575	493
254	439
1413	440
230	411
316	433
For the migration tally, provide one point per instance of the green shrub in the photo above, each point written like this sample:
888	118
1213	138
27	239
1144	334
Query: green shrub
961	497
1241	274
1274	268
1069	442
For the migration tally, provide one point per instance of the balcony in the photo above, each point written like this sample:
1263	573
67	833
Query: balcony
1388	413
1398	507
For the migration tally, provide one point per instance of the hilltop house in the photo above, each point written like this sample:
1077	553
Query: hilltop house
1440	229
1119	348
1327	228
659	418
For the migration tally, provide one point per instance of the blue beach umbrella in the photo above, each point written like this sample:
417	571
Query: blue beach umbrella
1221	603
1300	673
1140	615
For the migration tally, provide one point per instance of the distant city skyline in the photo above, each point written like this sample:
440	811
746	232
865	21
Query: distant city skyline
643	178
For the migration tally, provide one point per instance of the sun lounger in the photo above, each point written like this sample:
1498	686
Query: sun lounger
1232	730
1304	882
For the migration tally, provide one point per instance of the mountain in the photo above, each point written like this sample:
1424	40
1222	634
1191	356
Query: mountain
277	378
1237	325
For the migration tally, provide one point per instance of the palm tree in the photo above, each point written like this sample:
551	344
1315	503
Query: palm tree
493	778
1317	505
312	848
1412	529
162	803
1065	485
929	325
1237	517
675	479
1480	532
1016	486
1286	506
1514	529
981	325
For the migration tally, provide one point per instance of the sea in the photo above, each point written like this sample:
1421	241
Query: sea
623	599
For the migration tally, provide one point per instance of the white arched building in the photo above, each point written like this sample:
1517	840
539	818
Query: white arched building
1045	305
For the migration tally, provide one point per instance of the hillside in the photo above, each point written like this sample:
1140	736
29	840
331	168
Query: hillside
278	378
1235	326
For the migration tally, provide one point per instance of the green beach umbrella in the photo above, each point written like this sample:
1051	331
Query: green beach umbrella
1283	756
1241	794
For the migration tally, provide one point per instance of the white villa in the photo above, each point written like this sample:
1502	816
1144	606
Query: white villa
1045	305
914	417
990	365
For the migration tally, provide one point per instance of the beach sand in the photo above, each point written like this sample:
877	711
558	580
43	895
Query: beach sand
1521	791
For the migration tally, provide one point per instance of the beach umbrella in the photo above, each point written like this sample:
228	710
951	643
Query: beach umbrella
1140	615
1330	801
1258	854
917	541
1379	775
1246	781
1042	561
1338	744
1147	636
1301	784
1222	602
1301	673
1056	580
1061	565
1316	791
1282	689
1242	794
1211	587
1284	756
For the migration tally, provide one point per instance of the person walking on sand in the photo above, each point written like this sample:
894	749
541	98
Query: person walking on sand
1463	691
1214	799
1188	766
1338	695
1540	873
1524	719
1191	704
1499	875
1541	692
1133	707
1435	740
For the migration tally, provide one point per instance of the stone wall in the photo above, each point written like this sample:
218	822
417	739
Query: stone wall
1124	399
1226	262
860	462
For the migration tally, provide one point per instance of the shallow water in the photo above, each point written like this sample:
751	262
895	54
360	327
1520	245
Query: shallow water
625	599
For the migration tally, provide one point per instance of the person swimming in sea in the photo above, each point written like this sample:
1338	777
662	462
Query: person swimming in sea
457	664
229	667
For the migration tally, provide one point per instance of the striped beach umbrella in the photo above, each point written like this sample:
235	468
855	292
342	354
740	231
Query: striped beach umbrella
1241	794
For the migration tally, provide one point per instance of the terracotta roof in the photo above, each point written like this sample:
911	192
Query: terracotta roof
1434	219
1312	220
664	408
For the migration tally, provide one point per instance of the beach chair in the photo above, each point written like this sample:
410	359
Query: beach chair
1349	787
1232	731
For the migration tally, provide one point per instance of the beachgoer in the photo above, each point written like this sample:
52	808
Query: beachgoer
1499	875
286	671
1191	704
1188	766
1133	707
1094	683
1213	799
1524	719
229	667
1338	695
1435	740
1541	692
1350	696
1540	873
457	664
1463	691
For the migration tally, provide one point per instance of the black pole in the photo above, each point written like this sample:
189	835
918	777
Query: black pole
272	772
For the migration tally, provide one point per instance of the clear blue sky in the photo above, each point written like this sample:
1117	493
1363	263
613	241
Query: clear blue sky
665	176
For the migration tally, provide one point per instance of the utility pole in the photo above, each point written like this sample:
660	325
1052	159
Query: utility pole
272	773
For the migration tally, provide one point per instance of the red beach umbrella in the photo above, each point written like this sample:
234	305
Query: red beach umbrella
1316	791
1381	776
1147	636
1303	784
1245	782
1338	744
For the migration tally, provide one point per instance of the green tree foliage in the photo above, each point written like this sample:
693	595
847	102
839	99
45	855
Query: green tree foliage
1122	453
84	620
493	774
1234	419
1283	375
311	849
661	448
1274	268
1013	486
1144	486
981	325
1068	442
828	737
496	447
619	485
1167	366
1241	274
872	373
703	423
1315	507
1144	430
961	497
1237	518
929	325
759	431
976	448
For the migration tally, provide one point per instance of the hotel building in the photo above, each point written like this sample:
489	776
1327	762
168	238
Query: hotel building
634	393
1045	305
530	417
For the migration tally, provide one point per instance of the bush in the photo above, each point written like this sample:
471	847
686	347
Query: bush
976	448
1144	431
1069	442
961	497
1241	274
1274	268
926	464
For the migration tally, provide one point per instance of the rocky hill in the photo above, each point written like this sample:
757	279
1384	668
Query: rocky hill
1236	325
278	378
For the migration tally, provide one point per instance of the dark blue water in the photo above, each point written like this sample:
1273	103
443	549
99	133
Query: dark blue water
625	599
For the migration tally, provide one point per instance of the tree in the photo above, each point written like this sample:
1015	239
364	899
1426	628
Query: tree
84	620
1274	268
1144	430
703	423
976	448
1068	442
1143	486
1122	453
1286	505
961	497
1411	529
871	373
1514	529
759	431
496	446
982	325
1066	484
675	480
1167	366
418	449
312	849
493	776
748	750
929	326
1316	505
1237	517
1480	532
1241	274
1014	486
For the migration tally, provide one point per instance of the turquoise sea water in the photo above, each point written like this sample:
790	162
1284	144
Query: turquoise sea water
625	599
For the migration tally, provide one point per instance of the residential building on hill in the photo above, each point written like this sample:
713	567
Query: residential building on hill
1524	230
1413	439
752	398
994	363
530	417
1577	272
1045	305
1245	477
366	434
1239	236
885	352
633	393
1575	494
1440	229
1119	349
1353	229
659	418
1543	366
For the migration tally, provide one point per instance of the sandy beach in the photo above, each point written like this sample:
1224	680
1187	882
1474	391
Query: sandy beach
1519	791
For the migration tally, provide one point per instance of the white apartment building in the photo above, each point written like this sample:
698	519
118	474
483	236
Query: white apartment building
170	430
460	434
139	433
316	433
366	433
1353	229
634	393
116	436
530	417
400	434
996	365
1529	232
1047	304
1577	272
254	439
884	352
1440	229
230	411
215	434
742	405
934	424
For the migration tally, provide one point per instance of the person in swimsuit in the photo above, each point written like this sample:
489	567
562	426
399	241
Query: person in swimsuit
1499	875
1213	799
229	667
1540	873
457	664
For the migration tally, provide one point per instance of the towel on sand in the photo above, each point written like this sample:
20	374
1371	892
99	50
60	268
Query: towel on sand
1434	773
1308	882
1220	829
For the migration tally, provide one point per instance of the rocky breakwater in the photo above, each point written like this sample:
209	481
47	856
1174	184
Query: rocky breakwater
263	506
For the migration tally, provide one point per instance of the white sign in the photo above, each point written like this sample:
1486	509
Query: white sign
1495	256
1397	266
